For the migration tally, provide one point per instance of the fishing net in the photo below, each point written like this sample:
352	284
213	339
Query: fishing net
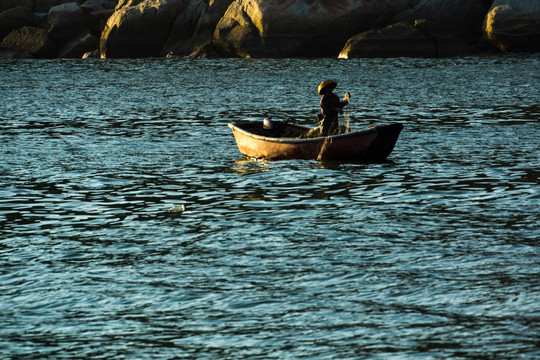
326	143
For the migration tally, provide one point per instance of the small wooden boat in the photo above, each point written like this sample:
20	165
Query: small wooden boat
288	141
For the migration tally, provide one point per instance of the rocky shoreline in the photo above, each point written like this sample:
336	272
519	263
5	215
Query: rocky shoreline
266	28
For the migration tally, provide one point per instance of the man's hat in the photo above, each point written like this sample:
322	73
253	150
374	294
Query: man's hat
331	83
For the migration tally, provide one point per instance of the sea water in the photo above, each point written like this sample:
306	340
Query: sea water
432	254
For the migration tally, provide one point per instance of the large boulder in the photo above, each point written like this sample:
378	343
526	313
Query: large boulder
101	17
77	47
432	28
206	50
195	26
66	21
8	4
401	39
289	28
98	5
43	6
461	19
31	40
514	25
140	30
15	18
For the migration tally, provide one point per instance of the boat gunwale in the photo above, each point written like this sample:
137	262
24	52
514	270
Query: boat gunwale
236	127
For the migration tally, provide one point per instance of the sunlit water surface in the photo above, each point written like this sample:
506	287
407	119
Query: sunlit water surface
432	254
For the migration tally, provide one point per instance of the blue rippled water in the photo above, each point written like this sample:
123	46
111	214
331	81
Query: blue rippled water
433	254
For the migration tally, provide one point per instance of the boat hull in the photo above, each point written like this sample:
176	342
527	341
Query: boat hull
371	144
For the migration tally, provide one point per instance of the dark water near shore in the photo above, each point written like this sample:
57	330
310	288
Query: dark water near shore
433	254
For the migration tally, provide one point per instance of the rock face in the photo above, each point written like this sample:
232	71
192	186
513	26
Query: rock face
140	30
455	26
450	18
97	5
195	26
9	4
43	6
77	47
270	28
278	28
31	40
91	55
514	25
71	25
15	18
432	28
401	39
68	20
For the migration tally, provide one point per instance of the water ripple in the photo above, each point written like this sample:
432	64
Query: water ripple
432	254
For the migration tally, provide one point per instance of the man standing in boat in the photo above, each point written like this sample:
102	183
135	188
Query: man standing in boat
330	107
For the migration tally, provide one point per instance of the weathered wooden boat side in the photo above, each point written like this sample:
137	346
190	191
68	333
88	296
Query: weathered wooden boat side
371	144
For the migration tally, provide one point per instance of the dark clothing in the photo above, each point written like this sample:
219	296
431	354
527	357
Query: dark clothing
329	108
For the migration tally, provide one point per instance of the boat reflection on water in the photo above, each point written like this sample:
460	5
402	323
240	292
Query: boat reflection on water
249	166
